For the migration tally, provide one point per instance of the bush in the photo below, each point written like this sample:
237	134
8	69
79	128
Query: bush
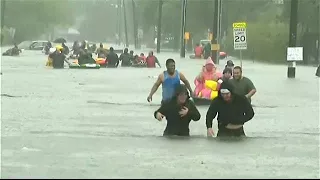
266	42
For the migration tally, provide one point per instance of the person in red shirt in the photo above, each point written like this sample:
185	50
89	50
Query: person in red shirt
142	58
152	60
198	51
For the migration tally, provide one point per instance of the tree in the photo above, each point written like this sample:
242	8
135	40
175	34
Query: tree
33	18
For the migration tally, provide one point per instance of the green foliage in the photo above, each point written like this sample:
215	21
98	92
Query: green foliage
268	30
266	42
33	18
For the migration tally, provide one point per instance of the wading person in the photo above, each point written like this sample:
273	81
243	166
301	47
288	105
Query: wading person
179	112
233	111
243	86
170	80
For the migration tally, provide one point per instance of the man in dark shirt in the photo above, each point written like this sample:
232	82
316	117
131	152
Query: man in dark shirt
243	86
179	112
112	58
233	111
58	58
125	58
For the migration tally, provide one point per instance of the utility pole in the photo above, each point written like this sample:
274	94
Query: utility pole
183	28
215	30
291	73
3	7
125	23
318	31
120	21
218	31
118	6
135	30
159	25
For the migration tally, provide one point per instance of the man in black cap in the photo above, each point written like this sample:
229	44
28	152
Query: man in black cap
233	111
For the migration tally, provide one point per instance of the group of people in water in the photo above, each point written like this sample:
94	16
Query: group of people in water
83	53
232	105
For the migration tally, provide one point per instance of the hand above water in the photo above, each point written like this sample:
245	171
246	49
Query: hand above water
210	132
159	116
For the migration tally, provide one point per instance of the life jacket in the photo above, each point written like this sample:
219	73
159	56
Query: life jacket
151	62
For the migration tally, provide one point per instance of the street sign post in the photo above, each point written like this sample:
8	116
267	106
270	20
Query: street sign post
240	37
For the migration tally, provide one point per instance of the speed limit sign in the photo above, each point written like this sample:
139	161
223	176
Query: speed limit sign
240	36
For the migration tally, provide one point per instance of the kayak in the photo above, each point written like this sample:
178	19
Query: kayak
84	66
102	62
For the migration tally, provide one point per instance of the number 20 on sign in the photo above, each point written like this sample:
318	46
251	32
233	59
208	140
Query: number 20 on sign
240	37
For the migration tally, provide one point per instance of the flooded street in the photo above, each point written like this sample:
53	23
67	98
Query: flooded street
76	123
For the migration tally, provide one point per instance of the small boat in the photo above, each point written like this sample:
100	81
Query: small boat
84	66
102	62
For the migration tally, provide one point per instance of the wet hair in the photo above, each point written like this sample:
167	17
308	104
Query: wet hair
125	50
169	61
111	49
181	89
238	67
101	45
131	52
141	54
227	70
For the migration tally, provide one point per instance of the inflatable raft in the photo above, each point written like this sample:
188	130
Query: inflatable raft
205	92
102	62
84	66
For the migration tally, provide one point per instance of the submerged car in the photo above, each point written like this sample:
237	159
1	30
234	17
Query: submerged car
32	45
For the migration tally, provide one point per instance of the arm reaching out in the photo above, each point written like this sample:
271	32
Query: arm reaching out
211	113
186	82
155	87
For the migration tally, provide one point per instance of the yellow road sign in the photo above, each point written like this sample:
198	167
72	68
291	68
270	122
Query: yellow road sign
210	36
215	47
186	35
239	25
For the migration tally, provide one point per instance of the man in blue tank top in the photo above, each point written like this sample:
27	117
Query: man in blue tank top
169	79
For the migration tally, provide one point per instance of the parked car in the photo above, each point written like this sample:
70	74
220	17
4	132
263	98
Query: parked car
32	45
